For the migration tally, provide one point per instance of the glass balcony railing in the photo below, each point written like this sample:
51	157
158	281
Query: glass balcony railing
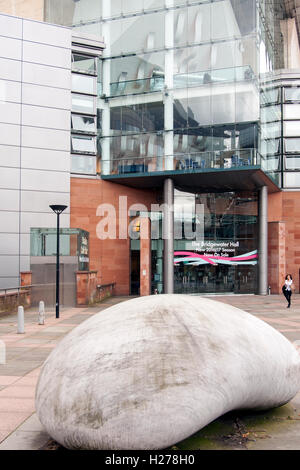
157	81
182	162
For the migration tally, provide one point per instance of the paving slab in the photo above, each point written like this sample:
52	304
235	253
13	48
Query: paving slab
21	429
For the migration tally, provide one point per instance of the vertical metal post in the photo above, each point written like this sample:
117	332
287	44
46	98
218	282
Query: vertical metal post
168	236
57	268
21	325
263	241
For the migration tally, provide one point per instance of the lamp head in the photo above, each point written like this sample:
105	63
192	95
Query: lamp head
58	209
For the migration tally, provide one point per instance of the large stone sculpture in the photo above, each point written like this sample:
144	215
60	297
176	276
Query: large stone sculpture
149	372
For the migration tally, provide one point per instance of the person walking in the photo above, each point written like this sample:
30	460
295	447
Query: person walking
288	288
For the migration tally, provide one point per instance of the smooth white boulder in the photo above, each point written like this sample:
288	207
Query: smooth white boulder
151	371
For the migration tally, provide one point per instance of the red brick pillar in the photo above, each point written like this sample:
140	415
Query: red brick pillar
86	287
145	256
276	255
26	280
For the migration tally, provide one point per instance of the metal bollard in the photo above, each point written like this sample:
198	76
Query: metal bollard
2	353
21	327
41	313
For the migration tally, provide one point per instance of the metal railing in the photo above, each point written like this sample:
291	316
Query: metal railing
183	162
157	81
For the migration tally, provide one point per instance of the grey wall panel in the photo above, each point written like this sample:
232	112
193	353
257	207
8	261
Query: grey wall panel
35	201
49	76
45	138
9	222
32	220
9	178
10	69
39	180
46	96
9	134
46	55
6	282
11	26
45	159
9	245
9	200
10	91
46	33
45	117
9	266
25	244
10	48
9	156
10	113
24	263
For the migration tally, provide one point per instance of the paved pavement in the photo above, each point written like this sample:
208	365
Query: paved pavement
25	354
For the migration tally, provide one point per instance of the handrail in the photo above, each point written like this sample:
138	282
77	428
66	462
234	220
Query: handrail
102	286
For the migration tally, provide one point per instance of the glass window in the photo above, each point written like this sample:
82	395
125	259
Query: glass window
199	23
268	147
83	123
223	105
291	180
271	113
82	63
137	33
291	128
83	144
292	94
180	26
292	162
83	164
270	96
137	74
83	84
292	145
83	104
271	130
291	111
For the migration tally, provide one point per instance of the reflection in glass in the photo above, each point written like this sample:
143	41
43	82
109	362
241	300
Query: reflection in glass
270	96
82	63
83	164
291	145
292	94
83	84
292	162
269	146
83	144
270	113
83	123
83	104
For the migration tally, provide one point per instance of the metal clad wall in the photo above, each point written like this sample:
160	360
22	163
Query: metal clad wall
35	82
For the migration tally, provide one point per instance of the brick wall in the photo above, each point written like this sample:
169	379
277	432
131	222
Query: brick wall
284	238
110	258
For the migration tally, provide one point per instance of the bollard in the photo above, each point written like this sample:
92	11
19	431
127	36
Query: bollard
2	353
21	328
269	290
41	313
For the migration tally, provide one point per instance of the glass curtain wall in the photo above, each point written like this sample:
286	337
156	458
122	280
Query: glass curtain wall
179	78
280	131
225	259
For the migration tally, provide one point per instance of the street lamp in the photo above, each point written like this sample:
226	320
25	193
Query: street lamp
58	209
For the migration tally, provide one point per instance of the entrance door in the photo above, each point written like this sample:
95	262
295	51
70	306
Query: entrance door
135	272
245	279
204	279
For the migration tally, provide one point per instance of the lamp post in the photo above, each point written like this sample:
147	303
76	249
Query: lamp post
58	209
